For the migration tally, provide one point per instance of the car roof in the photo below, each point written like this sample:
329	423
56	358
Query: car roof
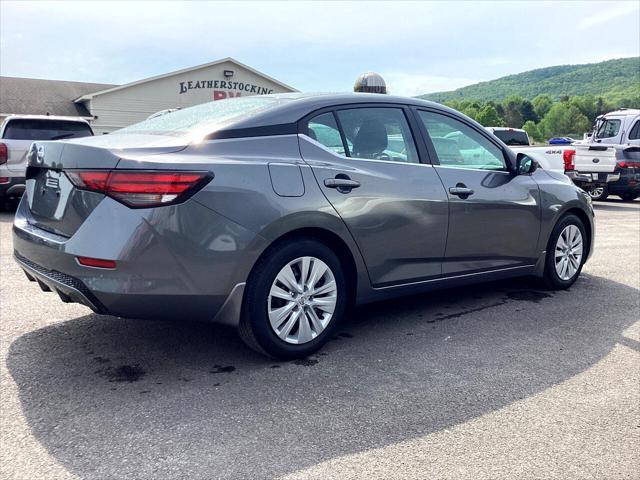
624	112
46	117
506	129
297	105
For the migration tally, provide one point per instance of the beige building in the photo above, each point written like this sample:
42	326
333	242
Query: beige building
109	107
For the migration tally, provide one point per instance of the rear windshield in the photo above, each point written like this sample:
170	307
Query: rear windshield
512	137
31	129
204	118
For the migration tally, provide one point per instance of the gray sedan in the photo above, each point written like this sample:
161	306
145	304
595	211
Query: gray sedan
274	214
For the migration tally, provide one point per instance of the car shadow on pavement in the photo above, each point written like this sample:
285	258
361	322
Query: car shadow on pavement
114	398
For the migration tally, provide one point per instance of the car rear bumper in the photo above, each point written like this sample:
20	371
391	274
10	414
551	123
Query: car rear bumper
592	179
11	187
157	275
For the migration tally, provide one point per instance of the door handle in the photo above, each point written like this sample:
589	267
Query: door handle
461	191
343	185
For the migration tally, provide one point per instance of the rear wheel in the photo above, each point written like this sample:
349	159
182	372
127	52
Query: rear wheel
294	300
566	253
629	197
598	193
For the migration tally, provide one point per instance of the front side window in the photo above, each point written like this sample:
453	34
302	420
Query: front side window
458	145
378	133
609	128
323	129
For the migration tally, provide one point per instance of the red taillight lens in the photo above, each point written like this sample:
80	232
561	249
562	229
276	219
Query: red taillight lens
96	262
625	164
567	158
141	189
4	153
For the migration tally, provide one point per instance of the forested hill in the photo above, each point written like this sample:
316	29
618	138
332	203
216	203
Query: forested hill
612	80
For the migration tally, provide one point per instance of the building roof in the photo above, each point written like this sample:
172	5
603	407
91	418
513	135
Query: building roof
113	88
36	96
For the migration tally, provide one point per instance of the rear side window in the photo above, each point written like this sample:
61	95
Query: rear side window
324	130
378	134
634	134
31	129
609	128
458	145
512	137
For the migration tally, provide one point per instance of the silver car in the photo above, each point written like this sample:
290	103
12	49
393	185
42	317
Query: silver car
276	213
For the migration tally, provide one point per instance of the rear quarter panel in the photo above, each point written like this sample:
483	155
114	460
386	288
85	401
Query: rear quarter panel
243	191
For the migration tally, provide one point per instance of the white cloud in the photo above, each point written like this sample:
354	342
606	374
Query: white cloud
600	16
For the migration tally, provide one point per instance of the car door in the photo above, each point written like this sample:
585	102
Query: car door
368	166
494	215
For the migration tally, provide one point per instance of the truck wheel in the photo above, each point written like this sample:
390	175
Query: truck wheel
294	300
629	197
598	193
566	253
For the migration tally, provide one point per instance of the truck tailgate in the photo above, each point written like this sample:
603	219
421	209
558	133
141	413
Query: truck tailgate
595	158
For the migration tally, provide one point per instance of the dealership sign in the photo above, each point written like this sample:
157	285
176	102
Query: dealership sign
224	88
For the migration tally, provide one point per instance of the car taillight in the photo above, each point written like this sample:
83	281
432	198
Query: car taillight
4	153
567	158
626	164
141	189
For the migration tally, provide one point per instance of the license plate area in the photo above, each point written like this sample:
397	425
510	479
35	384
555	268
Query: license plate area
48	193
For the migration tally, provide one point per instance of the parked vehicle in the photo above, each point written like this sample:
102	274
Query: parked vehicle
17	133
561	141
615	141
274	213
588	174
628	186
549	158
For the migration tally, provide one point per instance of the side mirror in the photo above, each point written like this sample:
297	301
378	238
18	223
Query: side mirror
525	165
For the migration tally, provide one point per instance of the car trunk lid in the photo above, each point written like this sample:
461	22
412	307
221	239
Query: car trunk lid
55	203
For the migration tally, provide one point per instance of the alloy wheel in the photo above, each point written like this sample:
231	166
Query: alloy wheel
302	300
568	252
596	192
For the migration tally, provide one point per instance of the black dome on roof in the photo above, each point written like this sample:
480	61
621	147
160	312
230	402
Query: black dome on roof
370	82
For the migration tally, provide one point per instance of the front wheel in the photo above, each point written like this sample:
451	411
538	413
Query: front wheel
598	193
294	300
566	253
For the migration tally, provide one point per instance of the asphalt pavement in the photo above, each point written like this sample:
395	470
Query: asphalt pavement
496	381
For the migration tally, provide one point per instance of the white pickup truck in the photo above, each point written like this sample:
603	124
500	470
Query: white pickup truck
615	141
584	172
18	132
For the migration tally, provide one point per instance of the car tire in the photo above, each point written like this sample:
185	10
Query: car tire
281	317
598	193
562	251
629	197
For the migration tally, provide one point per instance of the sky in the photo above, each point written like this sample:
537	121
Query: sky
418	47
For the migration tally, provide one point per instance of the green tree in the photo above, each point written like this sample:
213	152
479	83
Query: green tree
512	111
528	112
532	129
470	111
542	104
488	117
564	119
